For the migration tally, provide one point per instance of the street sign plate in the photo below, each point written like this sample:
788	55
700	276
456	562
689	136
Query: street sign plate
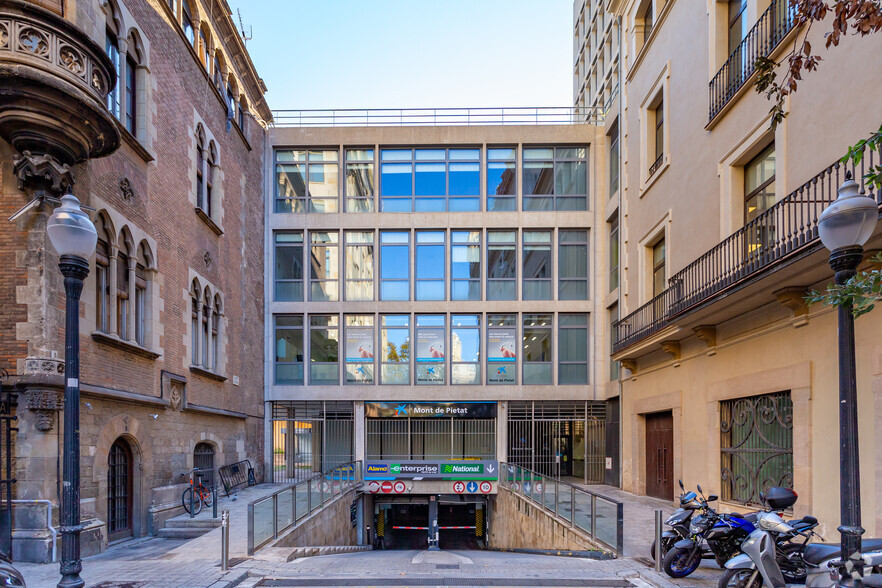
399	487
459	487
486	487
386	487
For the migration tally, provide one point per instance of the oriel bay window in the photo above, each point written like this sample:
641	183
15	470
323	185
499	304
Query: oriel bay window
430	265
288	266
324	343
555	178
465	349
465	265
289	350
359	349
359	180
431	349
324	266
572	350
501	178
572	265
502	348
537	349
359	272
394	265
501	265
395	353
537	265
307	180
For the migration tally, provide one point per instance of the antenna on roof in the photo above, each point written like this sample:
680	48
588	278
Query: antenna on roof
246	36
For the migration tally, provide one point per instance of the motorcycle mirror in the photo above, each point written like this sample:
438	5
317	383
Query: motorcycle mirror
681	485
712	497
762	497
699	488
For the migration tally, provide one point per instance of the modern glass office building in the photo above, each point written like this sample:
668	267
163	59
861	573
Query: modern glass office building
431	296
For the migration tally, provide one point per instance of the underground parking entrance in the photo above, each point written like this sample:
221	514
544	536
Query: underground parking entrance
434	521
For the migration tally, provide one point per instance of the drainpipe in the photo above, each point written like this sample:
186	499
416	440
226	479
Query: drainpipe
621	127
52	530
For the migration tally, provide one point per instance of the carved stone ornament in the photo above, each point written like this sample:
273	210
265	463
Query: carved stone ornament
630	365
72	60
33	41
176	394
4	34
672	348
207	259
125	187
44	365
44	403
42	171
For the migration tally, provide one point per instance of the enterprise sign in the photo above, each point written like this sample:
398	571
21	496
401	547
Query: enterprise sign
432	470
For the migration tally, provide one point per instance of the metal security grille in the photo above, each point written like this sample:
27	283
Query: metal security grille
119	491
560	439
757	445
203	458
310	437
432	439
7	453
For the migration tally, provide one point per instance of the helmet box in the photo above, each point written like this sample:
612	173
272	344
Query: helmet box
780	498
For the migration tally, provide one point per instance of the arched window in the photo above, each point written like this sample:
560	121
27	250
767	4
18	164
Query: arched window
123	304
195	291
111	46
119	491
187	18
102	274
204	50
243	108
206	315
200	166
209	177
141	294
231	97
216	315
219	71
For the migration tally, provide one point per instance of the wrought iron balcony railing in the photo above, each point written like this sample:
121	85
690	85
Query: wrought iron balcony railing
656	164
769	30
788	226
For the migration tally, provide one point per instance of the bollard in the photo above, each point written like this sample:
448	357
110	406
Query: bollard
214	501
225	540
658	540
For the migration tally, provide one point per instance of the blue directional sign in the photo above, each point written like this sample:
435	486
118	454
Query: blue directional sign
472	487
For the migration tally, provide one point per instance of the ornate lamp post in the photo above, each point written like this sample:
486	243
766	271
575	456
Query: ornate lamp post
844	227
74	237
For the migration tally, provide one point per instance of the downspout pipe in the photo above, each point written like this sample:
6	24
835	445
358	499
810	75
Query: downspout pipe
52	530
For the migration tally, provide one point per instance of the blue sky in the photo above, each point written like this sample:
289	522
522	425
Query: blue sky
411	54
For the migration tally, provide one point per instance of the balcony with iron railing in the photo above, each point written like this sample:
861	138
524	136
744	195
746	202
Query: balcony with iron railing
770	29
398	117
776	236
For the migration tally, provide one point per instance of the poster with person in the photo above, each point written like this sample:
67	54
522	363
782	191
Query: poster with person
359	353
430	356
502	355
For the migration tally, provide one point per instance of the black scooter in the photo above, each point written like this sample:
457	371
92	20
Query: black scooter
678	521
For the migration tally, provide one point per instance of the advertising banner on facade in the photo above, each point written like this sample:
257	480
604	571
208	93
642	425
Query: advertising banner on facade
359	346
462	410
432	470
502	355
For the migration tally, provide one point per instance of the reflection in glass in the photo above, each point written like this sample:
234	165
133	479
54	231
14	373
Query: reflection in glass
501	265
359	273
395	355
465	265
324	266
430	265
359	180
289	267
537	265
323	349
289	350
394	265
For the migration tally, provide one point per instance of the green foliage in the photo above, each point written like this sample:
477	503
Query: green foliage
862	291
855	155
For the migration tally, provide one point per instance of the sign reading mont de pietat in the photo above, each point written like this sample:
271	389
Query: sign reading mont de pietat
461	410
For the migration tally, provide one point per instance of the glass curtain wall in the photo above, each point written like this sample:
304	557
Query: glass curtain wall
537	349
430	265
465	265
395	342
502	265
394	265
359	272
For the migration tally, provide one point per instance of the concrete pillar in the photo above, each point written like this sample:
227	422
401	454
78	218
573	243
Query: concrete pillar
358	433
502	431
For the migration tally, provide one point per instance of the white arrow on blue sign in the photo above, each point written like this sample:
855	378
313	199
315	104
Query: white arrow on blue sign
472	487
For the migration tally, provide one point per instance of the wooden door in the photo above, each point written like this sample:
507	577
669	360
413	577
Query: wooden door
660	455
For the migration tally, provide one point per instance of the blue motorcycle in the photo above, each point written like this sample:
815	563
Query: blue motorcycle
712	535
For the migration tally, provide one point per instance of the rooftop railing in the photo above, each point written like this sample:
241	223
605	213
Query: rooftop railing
402	117
770	29
787	227
601	518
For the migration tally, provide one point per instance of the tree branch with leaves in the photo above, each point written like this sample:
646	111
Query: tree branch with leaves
862	291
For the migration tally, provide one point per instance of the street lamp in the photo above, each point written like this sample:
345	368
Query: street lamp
844	227
74	237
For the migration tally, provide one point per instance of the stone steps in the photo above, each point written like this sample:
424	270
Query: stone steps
187	528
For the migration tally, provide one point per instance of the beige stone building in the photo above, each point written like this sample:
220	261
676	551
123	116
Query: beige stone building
159	113
728	379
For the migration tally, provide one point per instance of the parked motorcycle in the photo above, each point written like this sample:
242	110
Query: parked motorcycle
9	576
711	535
678	521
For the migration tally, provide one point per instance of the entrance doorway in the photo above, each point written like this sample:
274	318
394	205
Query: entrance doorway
119	491
405	522
660	455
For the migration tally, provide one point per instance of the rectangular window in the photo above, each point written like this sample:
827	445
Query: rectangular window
396	180
359	265
537	265
110	46
501	265
658	137
613	319
194	331
359	349
324	343
307	180
394	265
502	348
756	445
360	180
613	254
658	268
288	267
555	179
465	349
131	96
614	160
464	180
324	266
140	305
465	265
537	349
501	178
431	337
395	355
572	265
289	350
430	265
572	349
759	196
102	290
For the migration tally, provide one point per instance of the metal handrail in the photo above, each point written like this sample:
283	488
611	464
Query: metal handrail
561	499
787	227
360	117
318	490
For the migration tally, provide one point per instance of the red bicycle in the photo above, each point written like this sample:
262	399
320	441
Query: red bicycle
200	492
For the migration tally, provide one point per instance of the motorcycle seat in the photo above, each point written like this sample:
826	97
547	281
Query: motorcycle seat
871	545
815	553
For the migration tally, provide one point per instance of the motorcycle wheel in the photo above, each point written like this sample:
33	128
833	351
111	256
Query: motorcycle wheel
792	564
679	563
667	544
741	579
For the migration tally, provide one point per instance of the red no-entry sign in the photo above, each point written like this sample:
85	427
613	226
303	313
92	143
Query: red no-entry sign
386	487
